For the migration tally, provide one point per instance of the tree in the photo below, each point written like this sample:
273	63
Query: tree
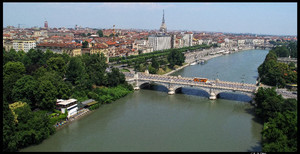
47	55
274	73
289	105
24	90
9	143
32	60
57	64
100	33
280	133
46	95
12	71
270	106
152	70
75	70
12	55
85	44
95	68
292	46
260	96
115	77
176	57
64	90
34	57
154	63
282	51
39	72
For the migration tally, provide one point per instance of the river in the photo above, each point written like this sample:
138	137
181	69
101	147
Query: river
152	120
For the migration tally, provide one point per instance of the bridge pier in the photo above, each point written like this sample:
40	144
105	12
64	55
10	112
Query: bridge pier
212	96
136	86
171	91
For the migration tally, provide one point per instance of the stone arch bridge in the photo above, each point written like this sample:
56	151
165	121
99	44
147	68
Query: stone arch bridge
174	83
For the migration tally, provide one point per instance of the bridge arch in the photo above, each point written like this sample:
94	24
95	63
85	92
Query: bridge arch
233	95
144	84
149	84
197	91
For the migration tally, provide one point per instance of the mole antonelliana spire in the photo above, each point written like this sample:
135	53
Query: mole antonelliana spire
163	27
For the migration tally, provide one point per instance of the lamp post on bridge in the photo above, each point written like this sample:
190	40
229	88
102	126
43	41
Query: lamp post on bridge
243	78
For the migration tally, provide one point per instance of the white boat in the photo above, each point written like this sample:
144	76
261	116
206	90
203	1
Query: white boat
226	52
194	63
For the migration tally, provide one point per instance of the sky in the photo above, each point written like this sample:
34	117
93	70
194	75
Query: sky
255	18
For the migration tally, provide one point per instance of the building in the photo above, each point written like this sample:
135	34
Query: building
7	45
62	34
24	45
72	49
100	48
69	105
159	42
46	25
88	103
187	39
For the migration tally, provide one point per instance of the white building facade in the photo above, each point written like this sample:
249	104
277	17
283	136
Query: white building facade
159	42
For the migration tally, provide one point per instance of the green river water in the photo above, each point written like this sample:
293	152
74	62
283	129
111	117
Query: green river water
152	120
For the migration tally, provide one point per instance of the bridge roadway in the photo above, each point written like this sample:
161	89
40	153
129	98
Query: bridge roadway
174	82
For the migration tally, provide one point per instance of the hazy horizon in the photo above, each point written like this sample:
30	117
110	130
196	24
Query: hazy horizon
253	18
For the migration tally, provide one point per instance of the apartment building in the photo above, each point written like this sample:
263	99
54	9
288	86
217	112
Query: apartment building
159	42
24	45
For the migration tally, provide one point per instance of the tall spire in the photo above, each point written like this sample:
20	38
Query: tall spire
163	27
163	20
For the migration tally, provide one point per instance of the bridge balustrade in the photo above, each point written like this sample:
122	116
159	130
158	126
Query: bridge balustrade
170	82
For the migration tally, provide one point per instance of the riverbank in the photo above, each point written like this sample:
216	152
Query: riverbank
205	58
80	114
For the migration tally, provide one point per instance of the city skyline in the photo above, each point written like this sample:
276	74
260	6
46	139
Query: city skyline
255	18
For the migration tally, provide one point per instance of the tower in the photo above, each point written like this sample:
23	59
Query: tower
114	32
163	27
46	24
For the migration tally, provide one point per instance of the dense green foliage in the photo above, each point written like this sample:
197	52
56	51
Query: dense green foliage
156	54
176	57
162	60
280	121
85	44
100	33
39	78
274	73
32	127
106	95
286	49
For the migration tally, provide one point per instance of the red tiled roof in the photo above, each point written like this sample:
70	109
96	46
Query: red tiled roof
110	42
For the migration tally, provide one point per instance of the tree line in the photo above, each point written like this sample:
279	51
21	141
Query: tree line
274	73
38	78
280	121
158	62
156	54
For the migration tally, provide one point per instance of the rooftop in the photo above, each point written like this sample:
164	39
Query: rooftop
66	102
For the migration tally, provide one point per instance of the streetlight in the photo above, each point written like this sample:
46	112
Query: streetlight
243	78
